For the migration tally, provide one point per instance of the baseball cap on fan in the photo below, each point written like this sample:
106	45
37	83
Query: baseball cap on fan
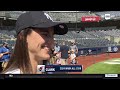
39	19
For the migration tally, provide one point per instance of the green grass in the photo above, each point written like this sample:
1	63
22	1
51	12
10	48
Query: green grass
103	68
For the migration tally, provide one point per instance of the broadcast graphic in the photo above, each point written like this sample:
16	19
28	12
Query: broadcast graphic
41	68
59	68
63	68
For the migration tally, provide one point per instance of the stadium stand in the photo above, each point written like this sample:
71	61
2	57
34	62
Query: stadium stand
89	37
72	16
113	14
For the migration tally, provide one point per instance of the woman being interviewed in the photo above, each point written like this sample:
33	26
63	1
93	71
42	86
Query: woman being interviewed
35	41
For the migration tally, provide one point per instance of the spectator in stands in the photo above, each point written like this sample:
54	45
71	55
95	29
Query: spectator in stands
52	59
73	57
5	55
35	31
64	52
69	57
57	53
56	48
74	47
58	59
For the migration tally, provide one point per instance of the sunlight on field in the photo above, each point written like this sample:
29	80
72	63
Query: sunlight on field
105	67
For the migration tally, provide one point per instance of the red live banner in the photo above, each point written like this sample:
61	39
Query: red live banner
90	19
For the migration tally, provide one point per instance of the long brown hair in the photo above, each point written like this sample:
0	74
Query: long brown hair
20	57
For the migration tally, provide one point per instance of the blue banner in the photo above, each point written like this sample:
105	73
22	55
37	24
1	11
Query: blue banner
63	68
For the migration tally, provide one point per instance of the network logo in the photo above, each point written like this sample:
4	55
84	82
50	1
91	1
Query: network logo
107	16
41	68
115	49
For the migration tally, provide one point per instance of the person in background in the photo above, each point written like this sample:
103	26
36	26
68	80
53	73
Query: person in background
56	48
74	47
5	55
57	54
73	57
64	52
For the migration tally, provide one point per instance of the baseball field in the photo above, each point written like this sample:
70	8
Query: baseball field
99	64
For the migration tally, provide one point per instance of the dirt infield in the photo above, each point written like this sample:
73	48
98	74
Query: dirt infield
87	61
